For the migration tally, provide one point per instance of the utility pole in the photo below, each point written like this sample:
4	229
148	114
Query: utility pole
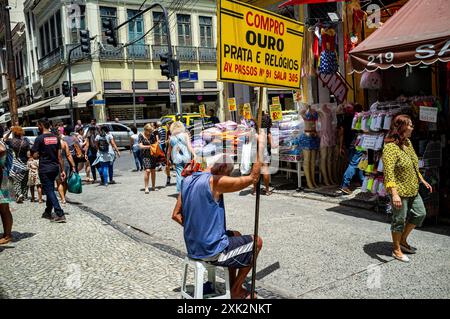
134	78
11	66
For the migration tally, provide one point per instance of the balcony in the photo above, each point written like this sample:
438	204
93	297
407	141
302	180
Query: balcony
53	58
108	52
207	54
187	53
138	52
157	50
77	54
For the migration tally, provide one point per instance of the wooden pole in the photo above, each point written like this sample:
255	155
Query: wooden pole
258	193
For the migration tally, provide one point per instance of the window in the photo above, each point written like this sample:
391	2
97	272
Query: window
187	85
54	36
163	85
112	85
42	40
159	29
59	28
119	128
210	84
107	13
75	35
206	39
83	87
136	27
184	30
48	47
140	85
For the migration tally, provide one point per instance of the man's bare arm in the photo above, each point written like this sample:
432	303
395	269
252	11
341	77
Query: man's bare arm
226	184
176	214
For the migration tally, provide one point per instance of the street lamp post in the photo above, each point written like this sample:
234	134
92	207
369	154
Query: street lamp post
134	80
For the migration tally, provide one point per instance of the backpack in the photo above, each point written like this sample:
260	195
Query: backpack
103	145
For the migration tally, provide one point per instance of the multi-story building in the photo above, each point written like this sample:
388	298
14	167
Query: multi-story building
24	64
104	77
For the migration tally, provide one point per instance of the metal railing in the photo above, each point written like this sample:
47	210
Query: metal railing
77	54
108	52
207	54
138	52
186	53
158	49
53	58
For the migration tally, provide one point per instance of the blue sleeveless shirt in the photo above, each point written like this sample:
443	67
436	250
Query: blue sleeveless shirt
203	218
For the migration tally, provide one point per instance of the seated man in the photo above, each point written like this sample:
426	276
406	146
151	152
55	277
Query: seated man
200	209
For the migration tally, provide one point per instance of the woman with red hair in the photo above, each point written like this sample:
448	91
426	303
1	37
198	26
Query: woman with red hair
402	177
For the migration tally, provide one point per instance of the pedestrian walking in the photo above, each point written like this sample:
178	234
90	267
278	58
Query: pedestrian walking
6	194
180	149
106	154
402	177
69	166
82	159
200	209
48	146
33	177
91	150
146	140
19	171
136	150
78	126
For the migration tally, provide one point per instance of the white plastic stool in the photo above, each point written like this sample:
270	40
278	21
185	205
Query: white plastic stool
199	270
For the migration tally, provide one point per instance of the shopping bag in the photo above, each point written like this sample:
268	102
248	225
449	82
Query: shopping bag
246	159
74	183
156	152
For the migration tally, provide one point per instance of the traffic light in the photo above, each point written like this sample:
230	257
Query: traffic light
74	91
165	67
110	32
170	66
85	41
65	88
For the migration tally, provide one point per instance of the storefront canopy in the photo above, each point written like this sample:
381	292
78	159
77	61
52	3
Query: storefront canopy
79	101
418	33
35	106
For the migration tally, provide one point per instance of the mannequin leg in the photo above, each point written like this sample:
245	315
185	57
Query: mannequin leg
313	167
330	162
323	166
306	168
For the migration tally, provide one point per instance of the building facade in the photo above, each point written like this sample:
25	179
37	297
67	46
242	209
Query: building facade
104	77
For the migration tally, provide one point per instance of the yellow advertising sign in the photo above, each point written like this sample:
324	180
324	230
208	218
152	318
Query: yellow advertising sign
202	110
276	112
275	100
247	111
232	104
258	47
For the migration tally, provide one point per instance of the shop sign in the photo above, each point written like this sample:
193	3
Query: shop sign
202	110
428	114
232	104
336	84
276	112
258	47
276	100
297	95
247	111
369	142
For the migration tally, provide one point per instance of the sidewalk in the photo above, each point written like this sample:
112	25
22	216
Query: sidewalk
84	258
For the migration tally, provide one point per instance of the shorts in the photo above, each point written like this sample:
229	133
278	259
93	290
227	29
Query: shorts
308	142
238	254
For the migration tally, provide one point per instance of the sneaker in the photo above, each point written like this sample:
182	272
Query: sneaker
112	182
19	199
345	191
59	219
46	215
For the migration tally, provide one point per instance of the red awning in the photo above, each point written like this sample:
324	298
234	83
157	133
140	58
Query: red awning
298	2
418	33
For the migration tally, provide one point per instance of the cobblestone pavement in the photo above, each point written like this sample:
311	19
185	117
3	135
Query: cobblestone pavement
84	258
